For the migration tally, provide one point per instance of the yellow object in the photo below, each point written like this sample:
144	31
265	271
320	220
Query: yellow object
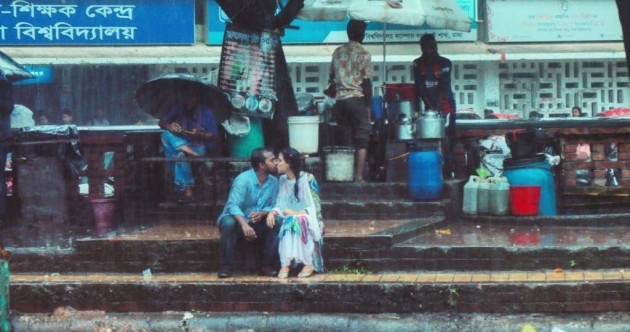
446	231
528	328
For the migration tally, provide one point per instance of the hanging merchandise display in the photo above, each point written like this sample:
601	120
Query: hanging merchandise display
247	70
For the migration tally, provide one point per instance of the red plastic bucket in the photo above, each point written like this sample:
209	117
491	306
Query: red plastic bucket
525	200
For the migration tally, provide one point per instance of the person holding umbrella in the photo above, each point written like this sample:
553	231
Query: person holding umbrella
432	76
190	130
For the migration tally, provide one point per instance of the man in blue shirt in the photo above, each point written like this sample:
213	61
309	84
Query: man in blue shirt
190	130
252	195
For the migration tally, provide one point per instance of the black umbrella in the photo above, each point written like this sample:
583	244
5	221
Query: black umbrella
158	95
12	70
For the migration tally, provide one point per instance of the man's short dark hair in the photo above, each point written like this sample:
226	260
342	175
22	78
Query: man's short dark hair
66	111
356	30
258	156
427	37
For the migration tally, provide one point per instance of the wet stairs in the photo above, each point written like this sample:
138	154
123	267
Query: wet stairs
384	253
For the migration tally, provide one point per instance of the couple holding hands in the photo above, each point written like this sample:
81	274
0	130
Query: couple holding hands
282	216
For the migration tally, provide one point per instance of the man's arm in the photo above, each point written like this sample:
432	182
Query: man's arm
208	130
232	207
236	196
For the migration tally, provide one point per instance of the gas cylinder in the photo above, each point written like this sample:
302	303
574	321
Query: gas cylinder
499	200
469	201
483	195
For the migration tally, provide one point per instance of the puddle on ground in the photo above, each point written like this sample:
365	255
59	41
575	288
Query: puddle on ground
481	235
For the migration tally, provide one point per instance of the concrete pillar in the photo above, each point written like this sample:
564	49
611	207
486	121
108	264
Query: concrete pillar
490	94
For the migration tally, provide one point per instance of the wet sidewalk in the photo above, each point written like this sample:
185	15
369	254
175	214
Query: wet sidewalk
68	320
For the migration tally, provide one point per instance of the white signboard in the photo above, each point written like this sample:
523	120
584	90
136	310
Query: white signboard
553	20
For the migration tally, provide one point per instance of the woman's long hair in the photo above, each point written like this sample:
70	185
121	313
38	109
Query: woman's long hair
294	159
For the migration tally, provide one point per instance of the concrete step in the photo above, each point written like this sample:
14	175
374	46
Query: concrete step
332	208
345	200
376	191
184	247
376	245
541	291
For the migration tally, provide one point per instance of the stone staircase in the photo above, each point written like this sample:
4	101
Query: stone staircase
379	255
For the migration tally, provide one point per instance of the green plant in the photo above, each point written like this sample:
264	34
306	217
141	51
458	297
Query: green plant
453	296
354	268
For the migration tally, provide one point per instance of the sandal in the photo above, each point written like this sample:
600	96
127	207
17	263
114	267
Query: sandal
284	272
306	272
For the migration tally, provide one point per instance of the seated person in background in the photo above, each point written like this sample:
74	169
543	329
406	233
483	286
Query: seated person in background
40	118
488	114
66	117
252	195
190	130
576	112
534	115
99	118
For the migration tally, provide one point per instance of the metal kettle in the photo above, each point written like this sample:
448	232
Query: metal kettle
404	127
430	125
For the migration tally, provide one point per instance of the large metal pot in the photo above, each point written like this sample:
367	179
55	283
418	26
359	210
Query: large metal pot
430	125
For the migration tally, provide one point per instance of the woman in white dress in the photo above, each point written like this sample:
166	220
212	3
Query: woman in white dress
298	209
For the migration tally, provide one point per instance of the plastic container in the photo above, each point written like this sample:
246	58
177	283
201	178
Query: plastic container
103	209
377	108
339	163
304	133
483	196
424	167
469	201
499	198
533	172
242	147
525	200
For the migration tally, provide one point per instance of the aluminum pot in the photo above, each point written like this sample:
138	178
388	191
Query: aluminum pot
430	125
404	129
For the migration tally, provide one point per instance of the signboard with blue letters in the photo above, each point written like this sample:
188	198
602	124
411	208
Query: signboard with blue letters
97	22
43	75
317	32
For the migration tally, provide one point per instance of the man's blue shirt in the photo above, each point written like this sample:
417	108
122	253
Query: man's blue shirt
246	195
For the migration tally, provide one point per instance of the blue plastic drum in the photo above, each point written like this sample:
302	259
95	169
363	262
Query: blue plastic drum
534	172
377	108
424	167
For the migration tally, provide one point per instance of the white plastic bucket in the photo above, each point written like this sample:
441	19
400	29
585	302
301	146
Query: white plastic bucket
339	162
304	133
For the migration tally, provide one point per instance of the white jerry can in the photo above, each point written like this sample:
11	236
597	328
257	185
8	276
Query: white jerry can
469	201
499	202
483	196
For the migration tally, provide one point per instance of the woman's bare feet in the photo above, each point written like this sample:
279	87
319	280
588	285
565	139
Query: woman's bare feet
306	272
284	272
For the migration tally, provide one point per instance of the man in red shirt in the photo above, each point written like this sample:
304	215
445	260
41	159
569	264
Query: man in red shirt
432	75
